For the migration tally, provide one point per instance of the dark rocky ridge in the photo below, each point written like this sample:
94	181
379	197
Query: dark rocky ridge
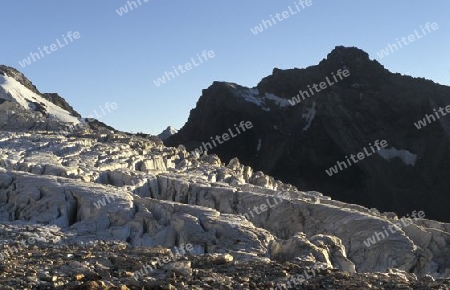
20	77
61	102
94	124
51	97
372	103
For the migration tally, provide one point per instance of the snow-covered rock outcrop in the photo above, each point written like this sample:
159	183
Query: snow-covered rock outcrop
13	91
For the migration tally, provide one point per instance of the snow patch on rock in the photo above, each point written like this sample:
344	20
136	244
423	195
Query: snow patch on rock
407	157
253	95
13	91
309	116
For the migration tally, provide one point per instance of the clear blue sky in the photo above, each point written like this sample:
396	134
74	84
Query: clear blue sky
117	57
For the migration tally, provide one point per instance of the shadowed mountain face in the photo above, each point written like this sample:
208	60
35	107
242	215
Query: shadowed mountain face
297	140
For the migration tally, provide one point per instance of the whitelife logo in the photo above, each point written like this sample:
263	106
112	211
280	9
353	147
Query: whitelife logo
411	38
323	85
225	137
175	255
108	107
70	129
11	251
49	49
406	221
265	206
430	118
124	9
360	155
187	66
298	280
104	201
281	16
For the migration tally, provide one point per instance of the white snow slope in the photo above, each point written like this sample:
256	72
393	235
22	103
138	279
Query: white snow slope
12	90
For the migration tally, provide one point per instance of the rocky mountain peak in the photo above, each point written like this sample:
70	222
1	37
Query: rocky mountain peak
300	131
169	131
18	76
22	107
363	71
342	55
54	98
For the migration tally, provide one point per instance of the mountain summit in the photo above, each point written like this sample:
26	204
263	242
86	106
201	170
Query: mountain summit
19	97
169	131
309	122
24	107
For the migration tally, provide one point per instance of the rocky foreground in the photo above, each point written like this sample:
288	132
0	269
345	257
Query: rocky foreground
112	265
